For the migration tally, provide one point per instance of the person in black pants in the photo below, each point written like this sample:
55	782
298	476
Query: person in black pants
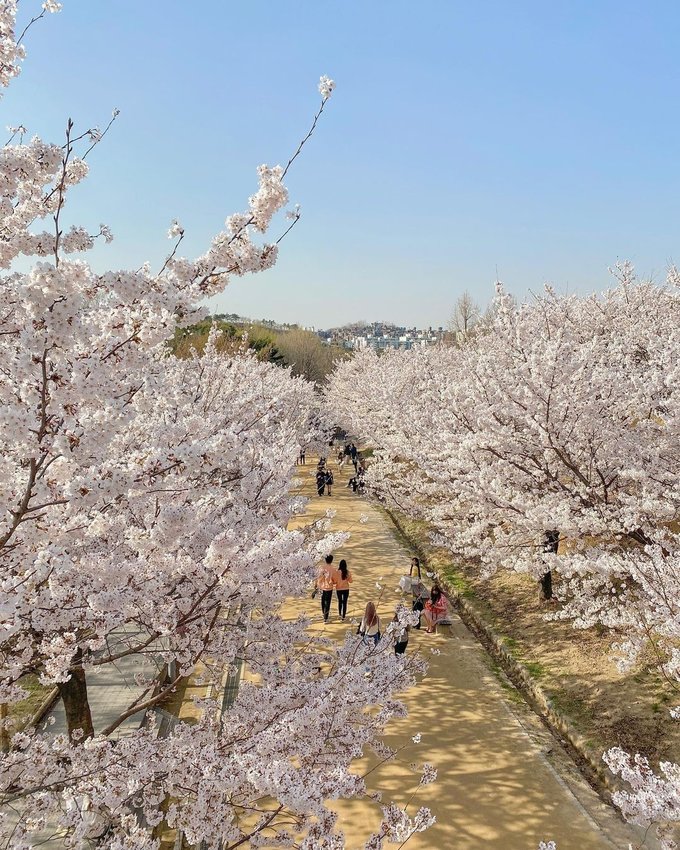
342	580
418	589
325	584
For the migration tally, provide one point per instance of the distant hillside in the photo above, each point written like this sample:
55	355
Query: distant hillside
282	344
235	319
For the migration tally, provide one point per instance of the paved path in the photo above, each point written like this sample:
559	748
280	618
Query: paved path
504	783
111	688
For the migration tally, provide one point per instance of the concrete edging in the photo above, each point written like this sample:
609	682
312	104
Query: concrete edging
558	723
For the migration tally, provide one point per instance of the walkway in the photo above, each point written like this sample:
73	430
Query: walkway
504	783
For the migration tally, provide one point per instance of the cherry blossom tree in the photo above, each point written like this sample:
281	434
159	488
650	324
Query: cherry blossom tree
145	503
548	442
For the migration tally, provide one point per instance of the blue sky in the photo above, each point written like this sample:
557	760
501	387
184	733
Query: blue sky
539	138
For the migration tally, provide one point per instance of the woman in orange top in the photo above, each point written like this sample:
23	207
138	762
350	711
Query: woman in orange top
325	583
342	580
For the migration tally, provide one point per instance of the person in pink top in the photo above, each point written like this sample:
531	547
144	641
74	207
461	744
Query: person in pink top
324	582
435	608
342	579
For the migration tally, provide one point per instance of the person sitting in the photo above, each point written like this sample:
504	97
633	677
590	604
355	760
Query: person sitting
435	608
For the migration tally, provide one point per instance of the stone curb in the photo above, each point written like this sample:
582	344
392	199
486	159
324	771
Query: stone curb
560	725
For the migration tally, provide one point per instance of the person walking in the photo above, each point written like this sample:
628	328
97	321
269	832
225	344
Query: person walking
320	481
324	582
369	628
402	635
342	579
329	481
435	608
303	452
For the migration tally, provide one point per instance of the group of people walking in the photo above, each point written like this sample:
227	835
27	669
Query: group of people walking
431	606
324	478
330	579
349	452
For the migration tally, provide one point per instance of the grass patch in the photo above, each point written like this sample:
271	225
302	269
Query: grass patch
458	582
19	713
510	644
535	669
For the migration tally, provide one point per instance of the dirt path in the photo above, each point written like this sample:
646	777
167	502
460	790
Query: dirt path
504	783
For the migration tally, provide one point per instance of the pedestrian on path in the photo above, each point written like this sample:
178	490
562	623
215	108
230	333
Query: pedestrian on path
329	482
402	634
435	608
320	481
342	579
369	628
419	593
324	582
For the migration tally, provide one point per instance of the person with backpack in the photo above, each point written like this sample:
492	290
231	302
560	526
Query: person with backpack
342	580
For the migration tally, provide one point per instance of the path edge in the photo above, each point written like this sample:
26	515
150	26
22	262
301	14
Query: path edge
587	759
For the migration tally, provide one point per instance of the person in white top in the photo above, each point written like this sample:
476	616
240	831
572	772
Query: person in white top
370	625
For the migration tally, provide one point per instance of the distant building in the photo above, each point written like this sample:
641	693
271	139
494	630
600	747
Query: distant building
381	336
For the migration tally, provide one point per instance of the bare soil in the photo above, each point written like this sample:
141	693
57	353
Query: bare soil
575	667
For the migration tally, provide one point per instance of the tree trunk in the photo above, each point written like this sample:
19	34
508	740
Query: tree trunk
76	706
546	587
4	733
551	543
